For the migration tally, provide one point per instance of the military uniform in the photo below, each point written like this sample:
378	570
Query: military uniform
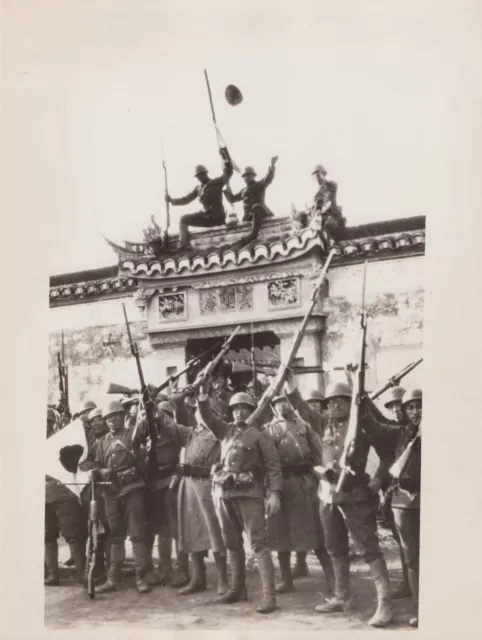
64	516
352	510
314	418
253	198
248	457
297	527
117	457
406	496
198	525
210	196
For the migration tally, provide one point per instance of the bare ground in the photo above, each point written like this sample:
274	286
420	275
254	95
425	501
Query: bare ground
68	606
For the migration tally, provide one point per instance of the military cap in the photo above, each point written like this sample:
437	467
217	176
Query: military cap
114	407
314	394
395	394
200	168
319	168
233	95
411	396
338	389
248	171
95	413
242	398
166	406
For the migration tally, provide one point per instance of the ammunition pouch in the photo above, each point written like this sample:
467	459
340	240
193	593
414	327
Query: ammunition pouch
234	480
128	476
193	471
298	469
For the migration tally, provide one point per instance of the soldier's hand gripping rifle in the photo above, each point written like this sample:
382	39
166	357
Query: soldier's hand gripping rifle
273	390
357	395
395	380
64	405
147	402
398	468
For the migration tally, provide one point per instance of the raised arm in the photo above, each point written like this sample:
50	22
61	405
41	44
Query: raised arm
269	177
381	432
233	197
183	433
311	416
213	422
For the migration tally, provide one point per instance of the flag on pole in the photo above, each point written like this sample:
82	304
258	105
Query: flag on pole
68	444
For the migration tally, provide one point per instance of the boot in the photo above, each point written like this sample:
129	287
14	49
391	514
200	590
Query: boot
341	600
141	561
286	585
403	589
180	577
221	572
117	554
266	573
164	569
52	564
151	576
183	236
413	580
198	575
384	613
77	552
301	568
236	589
327	566
244	591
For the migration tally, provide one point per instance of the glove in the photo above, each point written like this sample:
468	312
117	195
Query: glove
274	504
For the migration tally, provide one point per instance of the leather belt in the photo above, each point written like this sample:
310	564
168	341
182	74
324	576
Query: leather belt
193	471
297	469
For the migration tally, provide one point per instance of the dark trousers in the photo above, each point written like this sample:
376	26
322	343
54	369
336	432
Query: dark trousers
161	520
358	519
65	517
407	522
206	219
242	514
126	516
257	214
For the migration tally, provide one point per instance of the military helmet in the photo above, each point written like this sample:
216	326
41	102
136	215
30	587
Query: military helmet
114	407
95	413
314	394
242	398
166	406
411	396
319	168
233	95
128	401
279	397
200	168
395	394
338	389
248	171
51	415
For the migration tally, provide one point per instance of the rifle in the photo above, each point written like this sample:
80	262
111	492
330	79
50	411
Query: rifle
127	391
357	395
253	362
64	405
166	191
211	366
271	392
93	541
219	138
398	468
394	381
147	401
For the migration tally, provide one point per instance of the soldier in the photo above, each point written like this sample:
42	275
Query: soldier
97	430
247	457
393	403
161	520
117	460
406	496
354	509
63	513
198	525
311	411
297	526
84	410
52	422
325	203
210	194
253	195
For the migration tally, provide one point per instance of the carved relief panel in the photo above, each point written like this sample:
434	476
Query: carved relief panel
226	299
284	293
172	306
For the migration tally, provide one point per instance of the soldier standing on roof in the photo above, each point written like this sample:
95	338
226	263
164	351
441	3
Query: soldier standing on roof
210	194
252	195
325	201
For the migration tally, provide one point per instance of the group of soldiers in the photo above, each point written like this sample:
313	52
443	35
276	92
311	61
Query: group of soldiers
210	191
226	470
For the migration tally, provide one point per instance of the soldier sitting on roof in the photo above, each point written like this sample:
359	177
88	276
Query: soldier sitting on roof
210	194
325	204
252	196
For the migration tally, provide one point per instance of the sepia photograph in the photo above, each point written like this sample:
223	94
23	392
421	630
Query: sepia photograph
235	312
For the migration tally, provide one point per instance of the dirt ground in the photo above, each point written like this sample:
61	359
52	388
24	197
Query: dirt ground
68	606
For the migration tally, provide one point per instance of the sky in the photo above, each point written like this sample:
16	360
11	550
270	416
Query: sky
359	86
